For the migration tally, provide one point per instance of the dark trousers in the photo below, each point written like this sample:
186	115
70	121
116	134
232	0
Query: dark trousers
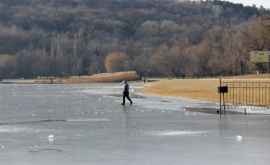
126	95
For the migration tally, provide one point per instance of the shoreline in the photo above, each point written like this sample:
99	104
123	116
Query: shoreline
199	91
83	79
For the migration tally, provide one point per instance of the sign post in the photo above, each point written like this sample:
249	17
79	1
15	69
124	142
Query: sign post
222	89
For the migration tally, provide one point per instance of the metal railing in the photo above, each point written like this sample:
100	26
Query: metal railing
245	93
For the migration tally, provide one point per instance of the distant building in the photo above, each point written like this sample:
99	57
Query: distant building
260	57
265	20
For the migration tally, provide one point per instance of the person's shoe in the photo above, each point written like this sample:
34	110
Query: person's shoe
131	103
122	104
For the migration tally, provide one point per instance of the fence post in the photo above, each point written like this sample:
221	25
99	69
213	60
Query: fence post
220	99
224	105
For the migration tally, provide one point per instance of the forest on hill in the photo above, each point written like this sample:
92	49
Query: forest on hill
153	37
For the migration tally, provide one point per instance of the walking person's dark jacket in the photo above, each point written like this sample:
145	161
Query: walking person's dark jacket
126	94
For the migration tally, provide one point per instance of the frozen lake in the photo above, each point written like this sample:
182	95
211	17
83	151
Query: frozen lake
86	125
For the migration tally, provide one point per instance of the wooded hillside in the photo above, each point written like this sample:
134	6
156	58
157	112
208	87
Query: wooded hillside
153	37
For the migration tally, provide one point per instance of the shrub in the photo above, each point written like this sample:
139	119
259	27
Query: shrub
116	61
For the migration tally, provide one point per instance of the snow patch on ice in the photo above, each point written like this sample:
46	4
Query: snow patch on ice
14	129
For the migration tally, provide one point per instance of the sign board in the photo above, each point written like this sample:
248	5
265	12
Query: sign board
223	89
260	56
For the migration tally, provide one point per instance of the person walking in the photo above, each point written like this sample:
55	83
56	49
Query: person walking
126	93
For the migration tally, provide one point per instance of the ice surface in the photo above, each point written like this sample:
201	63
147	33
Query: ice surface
88	125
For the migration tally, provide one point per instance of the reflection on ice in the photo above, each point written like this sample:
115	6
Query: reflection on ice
177	133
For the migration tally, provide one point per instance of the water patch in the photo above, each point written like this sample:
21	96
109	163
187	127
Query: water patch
157	104
36	149
113	90
177	133
30	122
102	90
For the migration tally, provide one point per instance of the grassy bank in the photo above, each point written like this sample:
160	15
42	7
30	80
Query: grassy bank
204	89
200	89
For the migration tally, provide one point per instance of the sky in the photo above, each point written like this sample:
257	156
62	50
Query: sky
258	3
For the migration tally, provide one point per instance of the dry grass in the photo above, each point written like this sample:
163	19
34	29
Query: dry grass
201	89
103	77
204	89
